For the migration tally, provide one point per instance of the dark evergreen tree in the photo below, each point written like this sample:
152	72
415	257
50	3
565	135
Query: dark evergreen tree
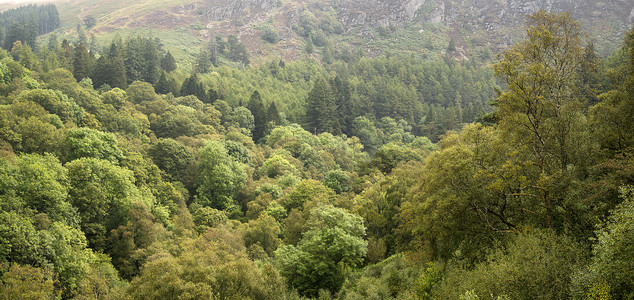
273	115
81	62
118	74
589	75
203	61
168	63
152	61
212	95
25	23
346	109
256	106
133	56
321	115
166	84
192	86
94	46
102	71
66	55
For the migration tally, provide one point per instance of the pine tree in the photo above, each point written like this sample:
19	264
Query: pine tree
192	86
66	56
203	62
273	115
168	63
259	115
102	71
212	95
151	63
117	67
162	86
589	75
346	109
321	115
81	62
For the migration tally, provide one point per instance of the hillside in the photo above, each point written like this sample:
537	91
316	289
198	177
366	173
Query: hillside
166	151
377	25
426	27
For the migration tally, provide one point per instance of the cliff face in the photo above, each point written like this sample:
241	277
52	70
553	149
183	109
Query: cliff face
494	14
500	20
219	10
488	13
378	12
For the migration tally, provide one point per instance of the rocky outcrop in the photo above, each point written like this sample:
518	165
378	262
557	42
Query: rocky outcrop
219	10
373	13
493	14
472	24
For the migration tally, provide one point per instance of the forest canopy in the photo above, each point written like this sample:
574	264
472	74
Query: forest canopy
124	175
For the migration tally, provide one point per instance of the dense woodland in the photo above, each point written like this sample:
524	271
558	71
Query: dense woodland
26	23
126	176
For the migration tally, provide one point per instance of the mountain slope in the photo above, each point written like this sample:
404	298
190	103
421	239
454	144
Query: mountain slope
420	26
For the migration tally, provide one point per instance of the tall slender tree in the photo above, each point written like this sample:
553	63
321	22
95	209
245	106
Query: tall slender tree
81	62
321	114
256	106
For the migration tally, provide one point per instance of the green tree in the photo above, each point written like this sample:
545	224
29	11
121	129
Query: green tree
203	61
612	119
338	181
207	267
27	282
612	263
221	177
243	118
333	244
168	63
39	183
193	86
273	116
173	158
102	193
534	265
263	232
81	62
85	142
321	115
345	107
540	108
256	106
118	76
167	84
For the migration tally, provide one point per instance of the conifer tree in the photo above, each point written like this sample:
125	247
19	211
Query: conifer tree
152	61
81	33
212	95
117	67
81	62
192	86
66	55
168	63
203	61
345	108
259	115
101	73
166	84
273	115
321	115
